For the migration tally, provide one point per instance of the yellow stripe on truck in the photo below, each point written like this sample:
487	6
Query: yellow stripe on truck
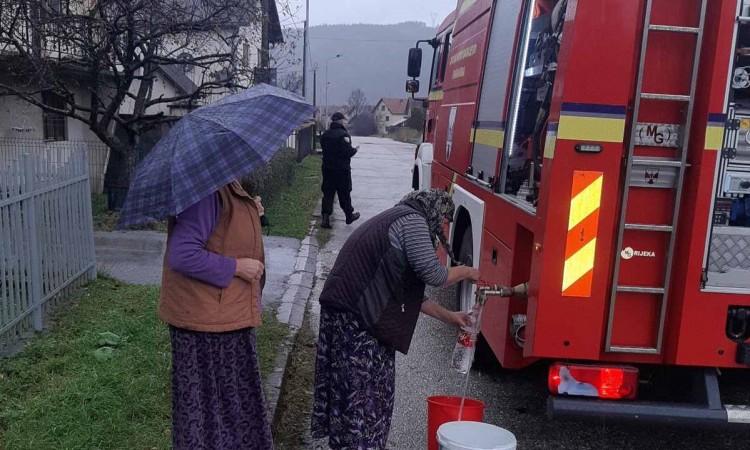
579	264
583	228
597	129
585	203
714	137
490	138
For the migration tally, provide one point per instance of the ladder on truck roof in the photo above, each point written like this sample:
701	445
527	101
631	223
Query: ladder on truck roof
678	164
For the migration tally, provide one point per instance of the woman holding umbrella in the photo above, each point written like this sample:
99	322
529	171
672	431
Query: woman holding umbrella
214	266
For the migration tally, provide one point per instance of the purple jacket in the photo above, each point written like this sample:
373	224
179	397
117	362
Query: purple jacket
187	252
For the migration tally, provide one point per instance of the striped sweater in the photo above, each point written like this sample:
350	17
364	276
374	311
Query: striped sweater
411	234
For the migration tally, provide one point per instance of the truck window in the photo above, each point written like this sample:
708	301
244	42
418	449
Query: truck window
534	80
444	59
440	62
435	66
489	128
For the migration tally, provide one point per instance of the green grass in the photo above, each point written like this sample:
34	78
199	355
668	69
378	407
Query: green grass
290	192
106	220
289	211
57	395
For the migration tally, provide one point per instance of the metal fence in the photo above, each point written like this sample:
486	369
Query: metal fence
46	236
97	154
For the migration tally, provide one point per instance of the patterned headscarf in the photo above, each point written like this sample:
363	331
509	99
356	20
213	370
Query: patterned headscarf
436	206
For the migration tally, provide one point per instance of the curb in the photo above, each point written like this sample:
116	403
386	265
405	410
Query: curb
291	312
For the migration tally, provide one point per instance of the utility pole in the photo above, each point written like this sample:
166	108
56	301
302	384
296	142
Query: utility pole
265	59
304	50
339	55
315	103
315	86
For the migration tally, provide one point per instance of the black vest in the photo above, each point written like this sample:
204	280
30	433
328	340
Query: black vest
373	280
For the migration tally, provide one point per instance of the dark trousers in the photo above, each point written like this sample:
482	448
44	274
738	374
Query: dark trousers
337	183
345	201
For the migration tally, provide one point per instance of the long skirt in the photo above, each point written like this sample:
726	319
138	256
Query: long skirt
354	385
217	397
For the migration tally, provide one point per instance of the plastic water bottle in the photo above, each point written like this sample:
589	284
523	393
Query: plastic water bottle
463	352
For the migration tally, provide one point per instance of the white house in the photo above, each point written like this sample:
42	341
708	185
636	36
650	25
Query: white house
22	122
391	112
241	36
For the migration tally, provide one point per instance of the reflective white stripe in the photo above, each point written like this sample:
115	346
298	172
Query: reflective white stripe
738	413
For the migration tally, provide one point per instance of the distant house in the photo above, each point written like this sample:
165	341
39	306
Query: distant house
392	112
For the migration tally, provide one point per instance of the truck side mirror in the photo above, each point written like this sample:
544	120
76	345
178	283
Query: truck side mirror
412	86
415	62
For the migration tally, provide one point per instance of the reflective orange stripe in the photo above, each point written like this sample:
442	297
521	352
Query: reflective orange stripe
583	226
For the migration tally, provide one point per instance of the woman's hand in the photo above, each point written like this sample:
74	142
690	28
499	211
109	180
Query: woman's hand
461	319
259	205
471	274
458	274
250	270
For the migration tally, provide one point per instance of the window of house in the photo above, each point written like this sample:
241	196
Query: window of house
387	118
55	124
187	66
246	54
55	6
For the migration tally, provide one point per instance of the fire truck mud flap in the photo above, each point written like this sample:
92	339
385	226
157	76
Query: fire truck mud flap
707	410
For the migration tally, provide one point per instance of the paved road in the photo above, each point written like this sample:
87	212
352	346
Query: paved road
515	400
136	257
382	176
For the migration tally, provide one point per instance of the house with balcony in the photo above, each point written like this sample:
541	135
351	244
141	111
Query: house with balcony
25	47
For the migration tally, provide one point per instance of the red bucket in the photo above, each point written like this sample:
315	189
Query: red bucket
443	409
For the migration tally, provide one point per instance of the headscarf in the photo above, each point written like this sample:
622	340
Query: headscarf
436	206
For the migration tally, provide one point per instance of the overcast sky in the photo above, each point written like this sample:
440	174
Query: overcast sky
431	12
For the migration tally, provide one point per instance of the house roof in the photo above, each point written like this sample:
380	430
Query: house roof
395	105
178	78
275	33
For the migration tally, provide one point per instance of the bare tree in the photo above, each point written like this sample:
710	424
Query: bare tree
364	124
357	103
115	50
291	82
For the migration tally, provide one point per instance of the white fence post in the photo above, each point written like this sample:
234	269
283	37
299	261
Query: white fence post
89	225
34	267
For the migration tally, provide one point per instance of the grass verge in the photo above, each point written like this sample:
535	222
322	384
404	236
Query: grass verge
289	210
57	394
106	220
291	428
290	191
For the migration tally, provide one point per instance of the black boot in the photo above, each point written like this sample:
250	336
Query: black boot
325	221
351	218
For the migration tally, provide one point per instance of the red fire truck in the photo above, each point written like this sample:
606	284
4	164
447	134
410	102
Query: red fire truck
599	151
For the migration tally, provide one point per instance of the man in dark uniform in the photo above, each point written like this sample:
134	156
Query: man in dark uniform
337	170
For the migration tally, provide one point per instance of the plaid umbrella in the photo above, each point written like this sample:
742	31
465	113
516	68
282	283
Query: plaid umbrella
210	148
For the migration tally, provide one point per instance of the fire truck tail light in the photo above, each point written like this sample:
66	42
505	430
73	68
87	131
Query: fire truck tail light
612	383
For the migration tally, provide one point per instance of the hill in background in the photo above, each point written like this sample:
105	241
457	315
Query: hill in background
374	59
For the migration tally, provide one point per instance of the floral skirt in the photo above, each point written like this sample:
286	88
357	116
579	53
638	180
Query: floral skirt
354	385
217	397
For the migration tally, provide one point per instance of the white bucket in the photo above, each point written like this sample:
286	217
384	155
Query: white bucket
474	436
